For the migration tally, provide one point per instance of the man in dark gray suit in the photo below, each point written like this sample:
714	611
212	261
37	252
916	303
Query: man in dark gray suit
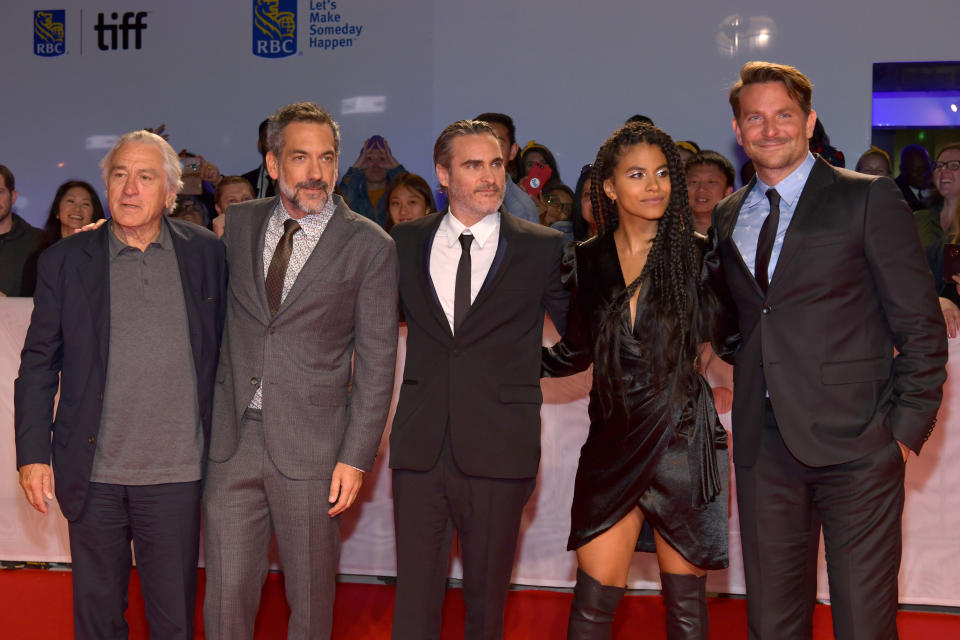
304	384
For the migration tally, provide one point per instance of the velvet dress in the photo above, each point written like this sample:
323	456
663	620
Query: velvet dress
675	469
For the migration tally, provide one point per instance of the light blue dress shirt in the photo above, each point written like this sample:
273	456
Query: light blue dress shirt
756	207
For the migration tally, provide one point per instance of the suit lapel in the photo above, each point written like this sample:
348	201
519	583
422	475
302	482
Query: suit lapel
258	232
821	176
94	275
509	230
429	291
725	231
191	279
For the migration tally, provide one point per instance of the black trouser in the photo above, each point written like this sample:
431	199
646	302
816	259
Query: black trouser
163	520
783	503
486	512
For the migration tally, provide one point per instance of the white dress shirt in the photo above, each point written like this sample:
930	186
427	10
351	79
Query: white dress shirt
445	256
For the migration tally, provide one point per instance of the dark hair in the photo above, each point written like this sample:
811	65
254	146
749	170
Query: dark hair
798	86
718	160
226	181
177	210
441	148
640	118
547	156
911	149
8	180
52	230
501	119
747	171
581	230
671	313
298	112
416	184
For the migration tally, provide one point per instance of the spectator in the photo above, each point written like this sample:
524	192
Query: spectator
230	190
74	205
710	179
365	183
18	240
687	149
940	224
584	223
536	153
515	199
875	162
408	198
642	119
820	144
915	177
191	209
263	185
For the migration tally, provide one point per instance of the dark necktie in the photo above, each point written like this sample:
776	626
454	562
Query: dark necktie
277	271
768	235
461	291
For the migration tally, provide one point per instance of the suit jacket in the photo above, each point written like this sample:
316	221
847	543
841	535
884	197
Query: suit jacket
68	341
850	285
485	380
912	200
326	360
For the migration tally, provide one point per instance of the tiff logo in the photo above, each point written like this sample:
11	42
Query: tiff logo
130	22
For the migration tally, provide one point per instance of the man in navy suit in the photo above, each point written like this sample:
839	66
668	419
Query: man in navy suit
126	323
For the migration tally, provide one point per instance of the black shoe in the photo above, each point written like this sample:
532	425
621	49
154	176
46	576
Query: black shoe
685	597
592	609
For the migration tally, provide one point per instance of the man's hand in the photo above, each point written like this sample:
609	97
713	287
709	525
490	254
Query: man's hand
389	162
218	225
361	162
37	482
90	227
344	487
951	317
904	449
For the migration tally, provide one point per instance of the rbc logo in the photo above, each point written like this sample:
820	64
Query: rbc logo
274	28
49	33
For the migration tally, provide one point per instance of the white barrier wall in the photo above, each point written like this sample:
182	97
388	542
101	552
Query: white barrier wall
931	566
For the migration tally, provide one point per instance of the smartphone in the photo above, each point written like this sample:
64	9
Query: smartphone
951	262
192	182
536	178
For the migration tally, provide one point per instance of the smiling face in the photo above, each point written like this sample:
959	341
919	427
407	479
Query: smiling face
406	204
306	169
232	194
773	130
640	184
76	210
945	179
475	179
137	187
706	186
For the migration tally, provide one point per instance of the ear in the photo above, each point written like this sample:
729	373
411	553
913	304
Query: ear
729	190
736	131
273	165
443	176
13	197
811	123
514	149
217	207
609	190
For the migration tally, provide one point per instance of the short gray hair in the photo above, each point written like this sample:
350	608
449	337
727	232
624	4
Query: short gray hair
171	161
298	112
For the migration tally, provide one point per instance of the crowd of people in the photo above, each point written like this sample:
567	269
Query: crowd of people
254	399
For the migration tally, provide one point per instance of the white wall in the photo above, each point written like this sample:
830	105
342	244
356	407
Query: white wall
569	72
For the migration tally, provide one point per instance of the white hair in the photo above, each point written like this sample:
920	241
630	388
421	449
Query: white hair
171	161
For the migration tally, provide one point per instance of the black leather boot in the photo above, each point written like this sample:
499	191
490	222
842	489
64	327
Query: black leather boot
685	597
592	610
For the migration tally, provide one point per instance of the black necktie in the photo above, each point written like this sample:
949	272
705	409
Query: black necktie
461	291
277	271
768	235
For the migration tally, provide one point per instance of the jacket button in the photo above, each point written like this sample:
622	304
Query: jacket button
254	381
765	310
100	396
91	439
272	331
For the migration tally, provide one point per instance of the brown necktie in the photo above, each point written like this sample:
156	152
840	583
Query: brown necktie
278	265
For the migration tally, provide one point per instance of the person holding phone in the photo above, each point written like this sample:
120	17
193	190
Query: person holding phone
653	473
365	183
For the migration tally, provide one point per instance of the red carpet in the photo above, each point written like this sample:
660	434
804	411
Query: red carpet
37	605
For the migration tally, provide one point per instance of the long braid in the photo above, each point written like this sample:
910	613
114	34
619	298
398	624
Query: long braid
667	309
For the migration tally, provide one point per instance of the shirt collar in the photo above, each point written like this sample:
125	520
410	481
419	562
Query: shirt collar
482	230
789	188
311	224
118	246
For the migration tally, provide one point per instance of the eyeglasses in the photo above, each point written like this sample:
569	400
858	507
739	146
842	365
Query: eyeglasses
557	203
953	165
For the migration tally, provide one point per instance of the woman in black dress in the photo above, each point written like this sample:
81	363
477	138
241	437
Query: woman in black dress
653	471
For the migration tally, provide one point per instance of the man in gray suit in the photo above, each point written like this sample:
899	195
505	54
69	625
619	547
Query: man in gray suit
313	286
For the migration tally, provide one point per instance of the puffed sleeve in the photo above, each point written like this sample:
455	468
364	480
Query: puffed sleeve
574	352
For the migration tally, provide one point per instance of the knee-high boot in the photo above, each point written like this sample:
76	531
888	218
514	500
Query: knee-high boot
592	610
685	597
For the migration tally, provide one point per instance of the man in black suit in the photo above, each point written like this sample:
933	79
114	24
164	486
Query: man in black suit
126	322
824	270
465	445
916	177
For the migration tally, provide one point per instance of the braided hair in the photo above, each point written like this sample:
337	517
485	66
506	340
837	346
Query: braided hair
669	318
